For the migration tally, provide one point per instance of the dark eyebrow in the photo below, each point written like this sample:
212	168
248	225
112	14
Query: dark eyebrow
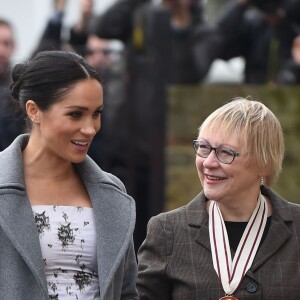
82	107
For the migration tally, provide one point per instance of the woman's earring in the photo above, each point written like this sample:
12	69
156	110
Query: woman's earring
261	180
35	121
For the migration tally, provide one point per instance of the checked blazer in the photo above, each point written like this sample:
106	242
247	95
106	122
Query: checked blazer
175	262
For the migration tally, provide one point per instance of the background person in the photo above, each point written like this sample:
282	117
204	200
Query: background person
290	71
158	39
109	61
7	47
239	152
57	36
66	226
81	30
261	32
11	120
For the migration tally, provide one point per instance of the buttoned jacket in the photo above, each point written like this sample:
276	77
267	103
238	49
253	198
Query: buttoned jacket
22	275
175	261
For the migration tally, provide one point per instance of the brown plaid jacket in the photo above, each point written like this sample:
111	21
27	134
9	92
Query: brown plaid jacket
175	259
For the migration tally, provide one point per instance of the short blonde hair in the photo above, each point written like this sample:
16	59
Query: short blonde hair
256	127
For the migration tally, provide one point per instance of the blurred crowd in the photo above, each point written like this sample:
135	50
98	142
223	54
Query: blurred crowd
164	42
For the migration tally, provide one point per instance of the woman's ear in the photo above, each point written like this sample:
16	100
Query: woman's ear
33	111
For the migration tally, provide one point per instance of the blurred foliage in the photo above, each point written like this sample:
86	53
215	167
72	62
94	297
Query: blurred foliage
188	106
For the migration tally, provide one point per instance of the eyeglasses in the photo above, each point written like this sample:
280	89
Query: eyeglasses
223	154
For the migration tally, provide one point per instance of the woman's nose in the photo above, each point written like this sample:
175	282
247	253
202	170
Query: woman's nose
211	160
90	127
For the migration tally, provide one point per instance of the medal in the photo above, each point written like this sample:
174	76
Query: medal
231	272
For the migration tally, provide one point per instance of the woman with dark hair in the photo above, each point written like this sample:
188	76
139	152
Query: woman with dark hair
65	225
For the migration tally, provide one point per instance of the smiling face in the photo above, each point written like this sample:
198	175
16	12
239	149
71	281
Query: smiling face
66	130
228	184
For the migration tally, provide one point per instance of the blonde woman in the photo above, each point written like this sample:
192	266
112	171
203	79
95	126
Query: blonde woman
237	239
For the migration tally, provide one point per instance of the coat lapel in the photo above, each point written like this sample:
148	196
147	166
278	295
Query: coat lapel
114	213
17	221
276	238
198	217
278	233
16	216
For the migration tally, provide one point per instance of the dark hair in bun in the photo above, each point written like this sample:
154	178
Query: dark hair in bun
16	74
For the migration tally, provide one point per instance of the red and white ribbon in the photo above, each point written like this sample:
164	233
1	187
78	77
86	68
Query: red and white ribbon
231	272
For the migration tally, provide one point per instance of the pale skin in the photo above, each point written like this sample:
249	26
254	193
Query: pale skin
238	213
296	50
50	176
236	186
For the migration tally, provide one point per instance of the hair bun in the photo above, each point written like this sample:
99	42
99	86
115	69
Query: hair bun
18	70
17	73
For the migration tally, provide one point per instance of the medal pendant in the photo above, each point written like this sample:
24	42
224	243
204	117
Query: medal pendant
228	298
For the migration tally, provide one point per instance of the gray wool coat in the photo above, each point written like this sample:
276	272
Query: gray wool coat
22	275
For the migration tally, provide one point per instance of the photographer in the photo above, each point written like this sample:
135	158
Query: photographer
159	43
290	72
262	32
11	119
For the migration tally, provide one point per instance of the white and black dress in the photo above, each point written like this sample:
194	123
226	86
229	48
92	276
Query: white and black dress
68	242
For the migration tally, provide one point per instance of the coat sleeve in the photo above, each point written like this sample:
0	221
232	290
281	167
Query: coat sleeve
153	255
116	22
231	17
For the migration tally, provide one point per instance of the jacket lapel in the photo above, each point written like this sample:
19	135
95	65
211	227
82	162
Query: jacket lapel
198	217
278	233
114	213
16	216
17	221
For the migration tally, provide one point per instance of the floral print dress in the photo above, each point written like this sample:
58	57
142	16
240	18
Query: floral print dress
68	242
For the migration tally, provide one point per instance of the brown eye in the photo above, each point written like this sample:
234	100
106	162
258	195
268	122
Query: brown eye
75	114
97	113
